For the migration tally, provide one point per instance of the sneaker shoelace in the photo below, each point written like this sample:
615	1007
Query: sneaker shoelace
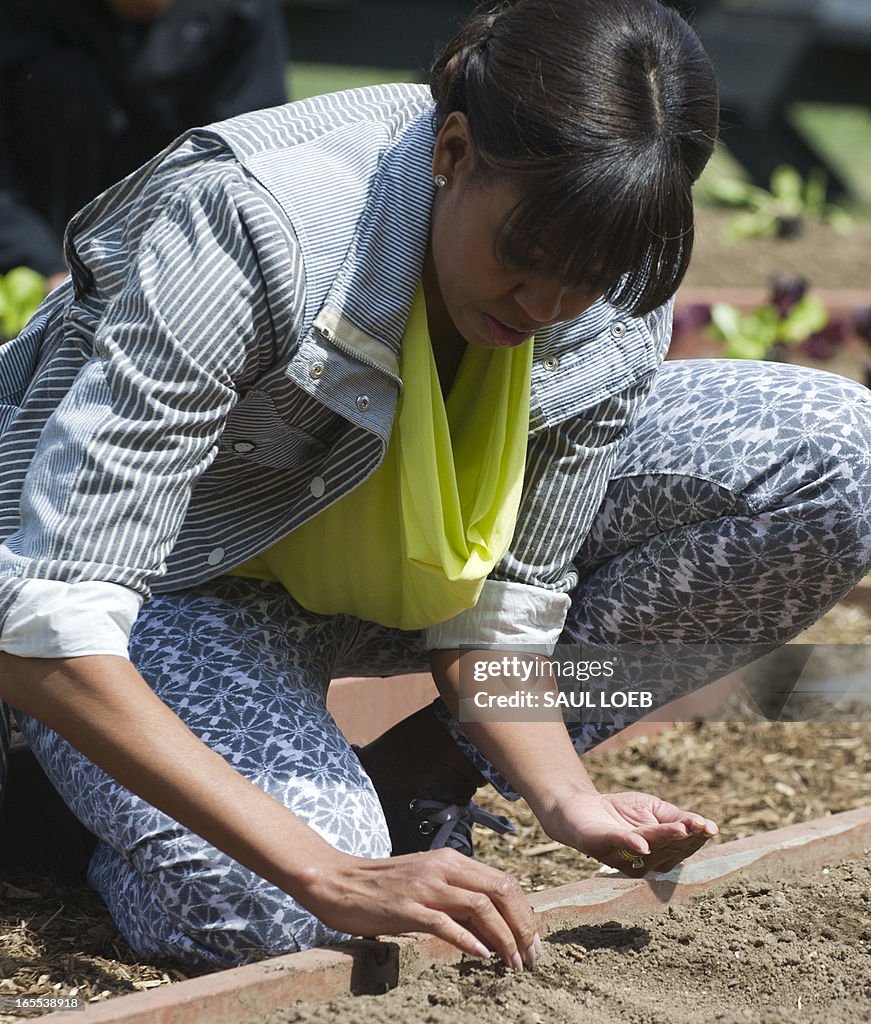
451	824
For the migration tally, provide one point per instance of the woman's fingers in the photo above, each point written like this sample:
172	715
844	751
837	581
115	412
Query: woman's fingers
694	823
666	855
477	908
698	825
658	835
662	834
640	809
666	851
445	927
490	904
641	841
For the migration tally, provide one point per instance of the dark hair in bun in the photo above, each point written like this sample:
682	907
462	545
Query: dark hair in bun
603	113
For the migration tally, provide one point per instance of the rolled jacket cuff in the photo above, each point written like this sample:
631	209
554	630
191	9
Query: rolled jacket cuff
507	614
52	619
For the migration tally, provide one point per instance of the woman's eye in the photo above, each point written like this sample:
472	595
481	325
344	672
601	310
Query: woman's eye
524	263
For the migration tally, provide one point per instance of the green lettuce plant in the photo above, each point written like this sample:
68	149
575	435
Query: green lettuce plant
781	212
21	291
791	323
790	318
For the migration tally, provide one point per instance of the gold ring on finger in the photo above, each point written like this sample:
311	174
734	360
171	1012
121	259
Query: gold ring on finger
636	860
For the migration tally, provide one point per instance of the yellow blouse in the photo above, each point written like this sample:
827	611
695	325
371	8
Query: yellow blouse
413	544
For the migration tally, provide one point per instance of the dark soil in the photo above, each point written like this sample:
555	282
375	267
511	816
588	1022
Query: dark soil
825	258
764	951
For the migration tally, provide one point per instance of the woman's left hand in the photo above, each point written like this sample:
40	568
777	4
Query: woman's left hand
658	834
540	762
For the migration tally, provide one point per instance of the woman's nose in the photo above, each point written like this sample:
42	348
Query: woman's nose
548	302
541	300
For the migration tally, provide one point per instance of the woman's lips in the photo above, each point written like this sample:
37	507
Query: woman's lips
504	335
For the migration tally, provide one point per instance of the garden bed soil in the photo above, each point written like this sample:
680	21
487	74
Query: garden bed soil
763	951
825	258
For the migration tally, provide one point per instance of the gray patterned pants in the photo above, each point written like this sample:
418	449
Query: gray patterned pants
739	511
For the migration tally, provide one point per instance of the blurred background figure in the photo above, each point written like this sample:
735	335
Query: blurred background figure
90	90
770	54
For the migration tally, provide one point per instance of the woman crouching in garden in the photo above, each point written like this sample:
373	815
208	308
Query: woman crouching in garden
347	387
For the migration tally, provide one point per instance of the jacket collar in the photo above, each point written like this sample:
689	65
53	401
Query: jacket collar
368	304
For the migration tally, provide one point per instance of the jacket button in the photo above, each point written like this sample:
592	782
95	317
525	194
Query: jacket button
618	329
550	363
243	447
363	403
315	370
317	487
215	557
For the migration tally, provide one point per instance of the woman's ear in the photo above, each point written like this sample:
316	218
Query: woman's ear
453	154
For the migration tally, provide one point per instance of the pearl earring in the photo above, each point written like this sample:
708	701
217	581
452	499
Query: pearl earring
440	180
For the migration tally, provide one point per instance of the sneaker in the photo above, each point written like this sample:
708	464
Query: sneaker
424	822
441	814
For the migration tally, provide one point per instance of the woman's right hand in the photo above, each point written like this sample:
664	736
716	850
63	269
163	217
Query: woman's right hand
476	908
101	705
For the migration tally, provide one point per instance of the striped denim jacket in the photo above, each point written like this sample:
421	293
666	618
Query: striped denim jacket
223	364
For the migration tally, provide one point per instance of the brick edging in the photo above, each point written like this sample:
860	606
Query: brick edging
244	995
860	594
793	850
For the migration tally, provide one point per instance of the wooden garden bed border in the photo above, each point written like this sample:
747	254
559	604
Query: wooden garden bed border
244	995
